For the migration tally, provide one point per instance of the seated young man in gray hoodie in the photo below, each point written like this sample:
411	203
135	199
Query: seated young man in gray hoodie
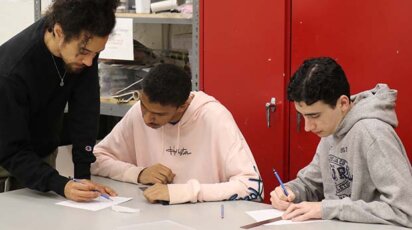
360	172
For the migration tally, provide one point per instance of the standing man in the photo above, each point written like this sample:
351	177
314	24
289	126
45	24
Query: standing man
360	172
184	143
50	64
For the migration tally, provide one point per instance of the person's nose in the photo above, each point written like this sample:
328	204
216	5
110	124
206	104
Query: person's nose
309	125
88	60
148	117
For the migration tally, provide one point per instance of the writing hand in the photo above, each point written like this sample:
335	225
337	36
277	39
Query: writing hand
303	211
280	200
157	173
86	190
157	192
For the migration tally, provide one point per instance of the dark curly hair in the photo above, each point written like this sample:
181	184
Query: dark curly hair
167	84
94	17
318	79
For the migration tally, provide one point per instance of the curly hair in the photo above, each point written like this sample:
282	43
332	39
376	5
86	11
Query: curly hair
94	17
318	79
167	84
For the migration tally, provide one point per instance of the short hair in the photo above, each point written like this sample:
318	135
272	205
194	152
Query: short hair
94	17
318	79
167	84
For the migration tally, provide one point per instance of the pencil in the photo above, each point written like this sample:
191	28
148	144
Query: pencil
281	183
222	211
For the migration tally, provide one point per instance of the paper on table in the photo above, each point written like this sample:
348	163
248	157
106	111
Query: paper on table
96	204
158	225
265	214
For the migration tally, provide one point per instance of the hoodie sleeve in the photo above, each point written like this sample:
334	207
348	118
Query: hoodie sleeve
308	185
391	174
240	176
83	117
115	154
17	155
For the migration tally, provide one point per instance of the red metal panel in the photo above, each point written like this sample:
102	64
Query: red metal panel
243	66
370	39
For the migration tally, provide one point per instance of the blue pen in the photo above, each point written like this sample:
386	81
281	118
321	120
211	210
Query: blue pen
281	183
101	194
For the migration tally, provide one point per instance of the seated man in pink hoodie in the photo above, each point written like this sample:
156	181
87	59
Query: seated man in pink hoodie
185	143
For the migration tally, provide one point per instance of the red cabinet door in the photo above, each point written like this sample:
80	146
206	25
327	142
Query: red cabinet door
242	64
370	39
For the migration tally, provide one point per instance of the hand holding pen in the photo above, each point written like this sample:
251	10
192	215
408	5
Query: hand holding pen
86	190
282	196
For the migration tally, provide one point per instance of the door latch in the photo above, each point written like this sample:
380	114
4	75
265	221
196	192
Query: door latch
270	108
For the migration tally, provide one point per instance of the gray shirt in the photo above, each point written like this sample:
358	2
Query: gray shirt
361	173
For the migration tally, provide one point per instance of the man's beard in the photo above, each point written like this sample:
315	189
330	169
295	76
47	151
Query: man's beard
70	69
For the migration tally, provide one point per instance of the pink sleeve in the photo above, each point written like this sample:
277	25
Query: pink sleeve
115	154
242	180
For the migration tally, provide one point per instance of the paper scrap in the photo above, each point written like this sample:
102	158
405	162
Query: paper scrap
265	214
118	208
157	225
96	204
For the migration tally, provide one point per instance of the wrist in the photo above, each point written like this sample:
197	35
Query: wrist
140	173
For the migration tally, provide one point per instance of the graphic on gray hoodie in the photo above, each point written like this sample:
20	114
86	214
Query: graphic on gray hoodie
361	173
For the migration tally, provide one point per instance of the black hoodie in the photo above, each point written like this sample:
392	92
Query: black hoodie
32	107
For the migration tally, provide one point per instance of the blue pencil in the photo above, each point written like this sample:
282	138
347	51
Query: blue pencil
281	183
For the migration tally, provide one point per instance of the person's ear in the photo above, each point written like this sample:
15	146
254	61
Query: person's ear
183	107
58	31
344	103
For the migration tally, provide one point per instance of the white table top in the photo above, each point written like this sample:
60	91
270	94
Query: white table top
28	209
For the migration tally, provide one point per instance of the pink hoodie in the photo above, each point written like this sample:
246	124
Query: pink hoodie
205	149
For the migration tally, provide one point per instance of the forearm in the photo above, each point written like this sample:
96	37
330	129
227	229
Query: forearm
364	212
193	191
115	169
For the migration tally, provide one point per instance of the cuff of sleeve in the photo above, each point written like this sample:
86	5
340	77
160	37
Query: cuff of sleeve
57	184
131	175
331	209
295	191
82	171
182	193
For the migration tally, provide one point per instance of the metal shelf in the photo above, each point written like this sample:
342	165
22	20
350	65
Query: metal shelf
161	18
112	108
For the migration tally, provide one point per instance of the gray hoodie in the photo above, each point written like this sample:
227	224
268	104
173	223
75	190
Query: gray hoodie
361	173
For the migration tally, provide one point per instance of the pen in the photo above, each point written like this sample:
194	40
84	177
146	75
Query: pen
281	183
222	211
101	194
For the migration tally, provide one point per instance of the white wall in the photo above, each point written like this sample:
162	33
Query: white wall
15	15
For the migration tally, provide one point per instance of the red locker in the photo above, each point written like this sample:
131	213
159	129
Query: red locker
243	65
247	53
370	39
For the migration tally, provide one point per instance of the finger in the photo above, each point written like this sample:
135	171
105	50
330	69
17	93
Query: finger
149	195
160	178
291	196
280	193
170	177
295	213
79	195
167	173
110	191
290	209
305	216
83	185
283	204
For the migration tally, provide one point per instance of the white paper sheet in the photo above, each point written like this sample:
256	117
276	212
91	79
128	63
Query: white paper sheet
120	43
158	225
265	214
96	204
